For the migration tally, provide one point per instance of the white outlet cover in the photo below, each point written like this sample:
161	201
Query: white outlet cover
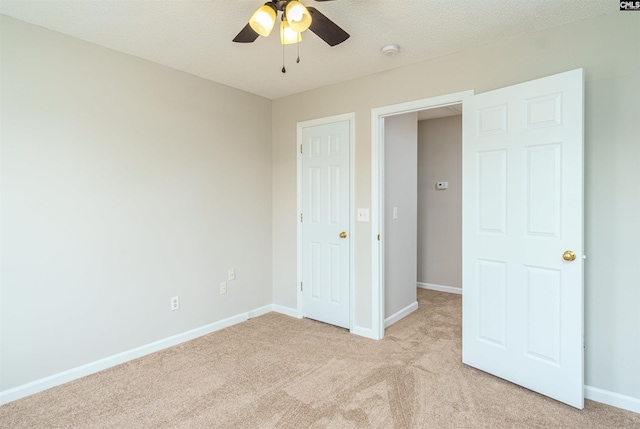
175	303
231	274
223	288
442	185
363	215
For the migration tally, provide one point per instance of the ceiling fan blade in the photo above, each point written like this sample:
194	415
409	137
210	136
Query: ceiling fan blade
246	35
326	29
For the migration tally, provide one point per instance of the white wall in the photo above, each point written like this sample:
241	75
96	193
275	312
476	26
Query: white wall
123	183
440	211
608	48
401	189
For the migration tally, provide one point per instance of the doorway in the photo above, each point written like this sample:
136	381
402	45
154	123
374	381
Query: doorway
422	222
377	190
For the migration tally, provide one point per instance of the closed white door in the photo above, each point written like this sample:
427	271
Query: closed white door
523	235
325	223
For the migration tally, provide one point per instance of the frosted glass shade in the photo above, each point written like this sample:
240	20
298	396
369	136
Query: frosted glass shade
263	20
287	35
298	16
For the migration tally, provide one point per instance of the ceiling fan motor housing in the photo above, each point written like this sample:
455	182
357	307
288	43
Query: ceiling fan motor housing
281	5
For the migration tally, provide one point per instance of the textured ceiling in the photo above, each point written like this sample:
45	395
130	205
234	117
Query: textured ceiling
195	35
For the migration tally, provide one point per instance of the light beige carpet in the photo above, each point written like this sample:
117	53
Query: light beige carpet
278	372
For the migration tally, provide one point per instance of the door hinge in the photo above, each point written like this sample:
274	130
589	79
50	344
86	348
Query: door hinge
300	217
301	286
300	148
378	237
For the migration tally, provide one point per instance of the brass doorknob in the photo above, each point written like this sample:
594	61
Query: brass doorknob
568	255
343	234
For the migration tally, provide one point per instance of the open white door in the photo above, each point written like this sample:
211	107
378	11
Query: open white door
523	235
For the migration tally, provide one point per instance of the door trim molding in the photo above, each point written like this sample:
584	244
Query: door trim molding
351	117
377	194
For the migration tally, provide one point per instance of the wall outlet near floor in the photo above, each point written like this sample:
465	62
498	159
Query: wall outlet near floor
223	288
175	303
232	274
442	185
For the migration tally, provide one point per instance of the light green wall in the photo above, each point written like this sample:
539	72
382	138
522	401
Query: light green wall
608	48
124	183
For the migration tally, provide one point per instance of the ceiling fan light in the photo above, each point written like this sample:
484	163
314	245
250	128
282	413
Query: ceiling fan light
287	35
263	20
298	16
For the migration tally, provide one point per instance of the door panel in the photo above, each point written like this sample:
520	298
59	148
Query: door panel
492	191
492	309
543	191
522	208
325	215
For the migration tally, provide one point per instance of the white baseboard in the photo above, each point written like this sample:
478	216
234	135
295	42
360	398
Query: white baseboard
593	393
287	311
356	330
400	314
260	311
54	380
363	332
617	400
440	288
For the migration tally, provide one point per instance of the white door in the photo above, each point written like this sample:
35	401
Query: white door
325	223
522	210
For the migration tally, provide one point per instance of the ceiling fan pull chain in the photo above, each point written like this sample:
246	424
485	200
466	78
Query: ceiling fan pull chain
298	45
284	70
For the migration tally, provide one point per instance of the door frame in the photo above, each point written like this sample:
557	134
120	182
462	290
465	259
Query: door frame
351	117
377	194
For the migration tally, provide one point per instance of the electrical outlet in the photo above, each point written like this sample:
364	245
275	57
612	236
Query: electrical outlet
232	274
442	185
223	288
175	303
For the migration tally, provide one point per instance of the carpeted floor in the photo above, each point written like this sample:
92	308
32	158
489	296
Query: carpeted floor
278	372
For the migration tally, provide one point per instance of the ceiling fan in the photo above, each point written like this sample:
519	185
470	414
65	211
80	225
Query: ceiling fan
295	19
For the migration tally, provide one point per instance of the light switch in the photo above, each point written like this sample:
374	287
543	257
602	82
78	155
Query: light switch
363	215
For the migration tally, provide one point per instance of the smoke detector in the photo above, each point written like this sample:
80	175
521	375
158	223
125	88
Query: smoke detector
390	50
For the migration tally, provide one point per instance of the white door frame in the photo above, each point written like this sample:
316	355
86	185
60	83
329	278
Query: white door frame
351	117
377	194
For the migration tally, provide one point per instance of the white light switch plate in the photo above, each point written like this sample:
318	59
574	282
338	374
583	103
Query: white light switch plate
363	215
